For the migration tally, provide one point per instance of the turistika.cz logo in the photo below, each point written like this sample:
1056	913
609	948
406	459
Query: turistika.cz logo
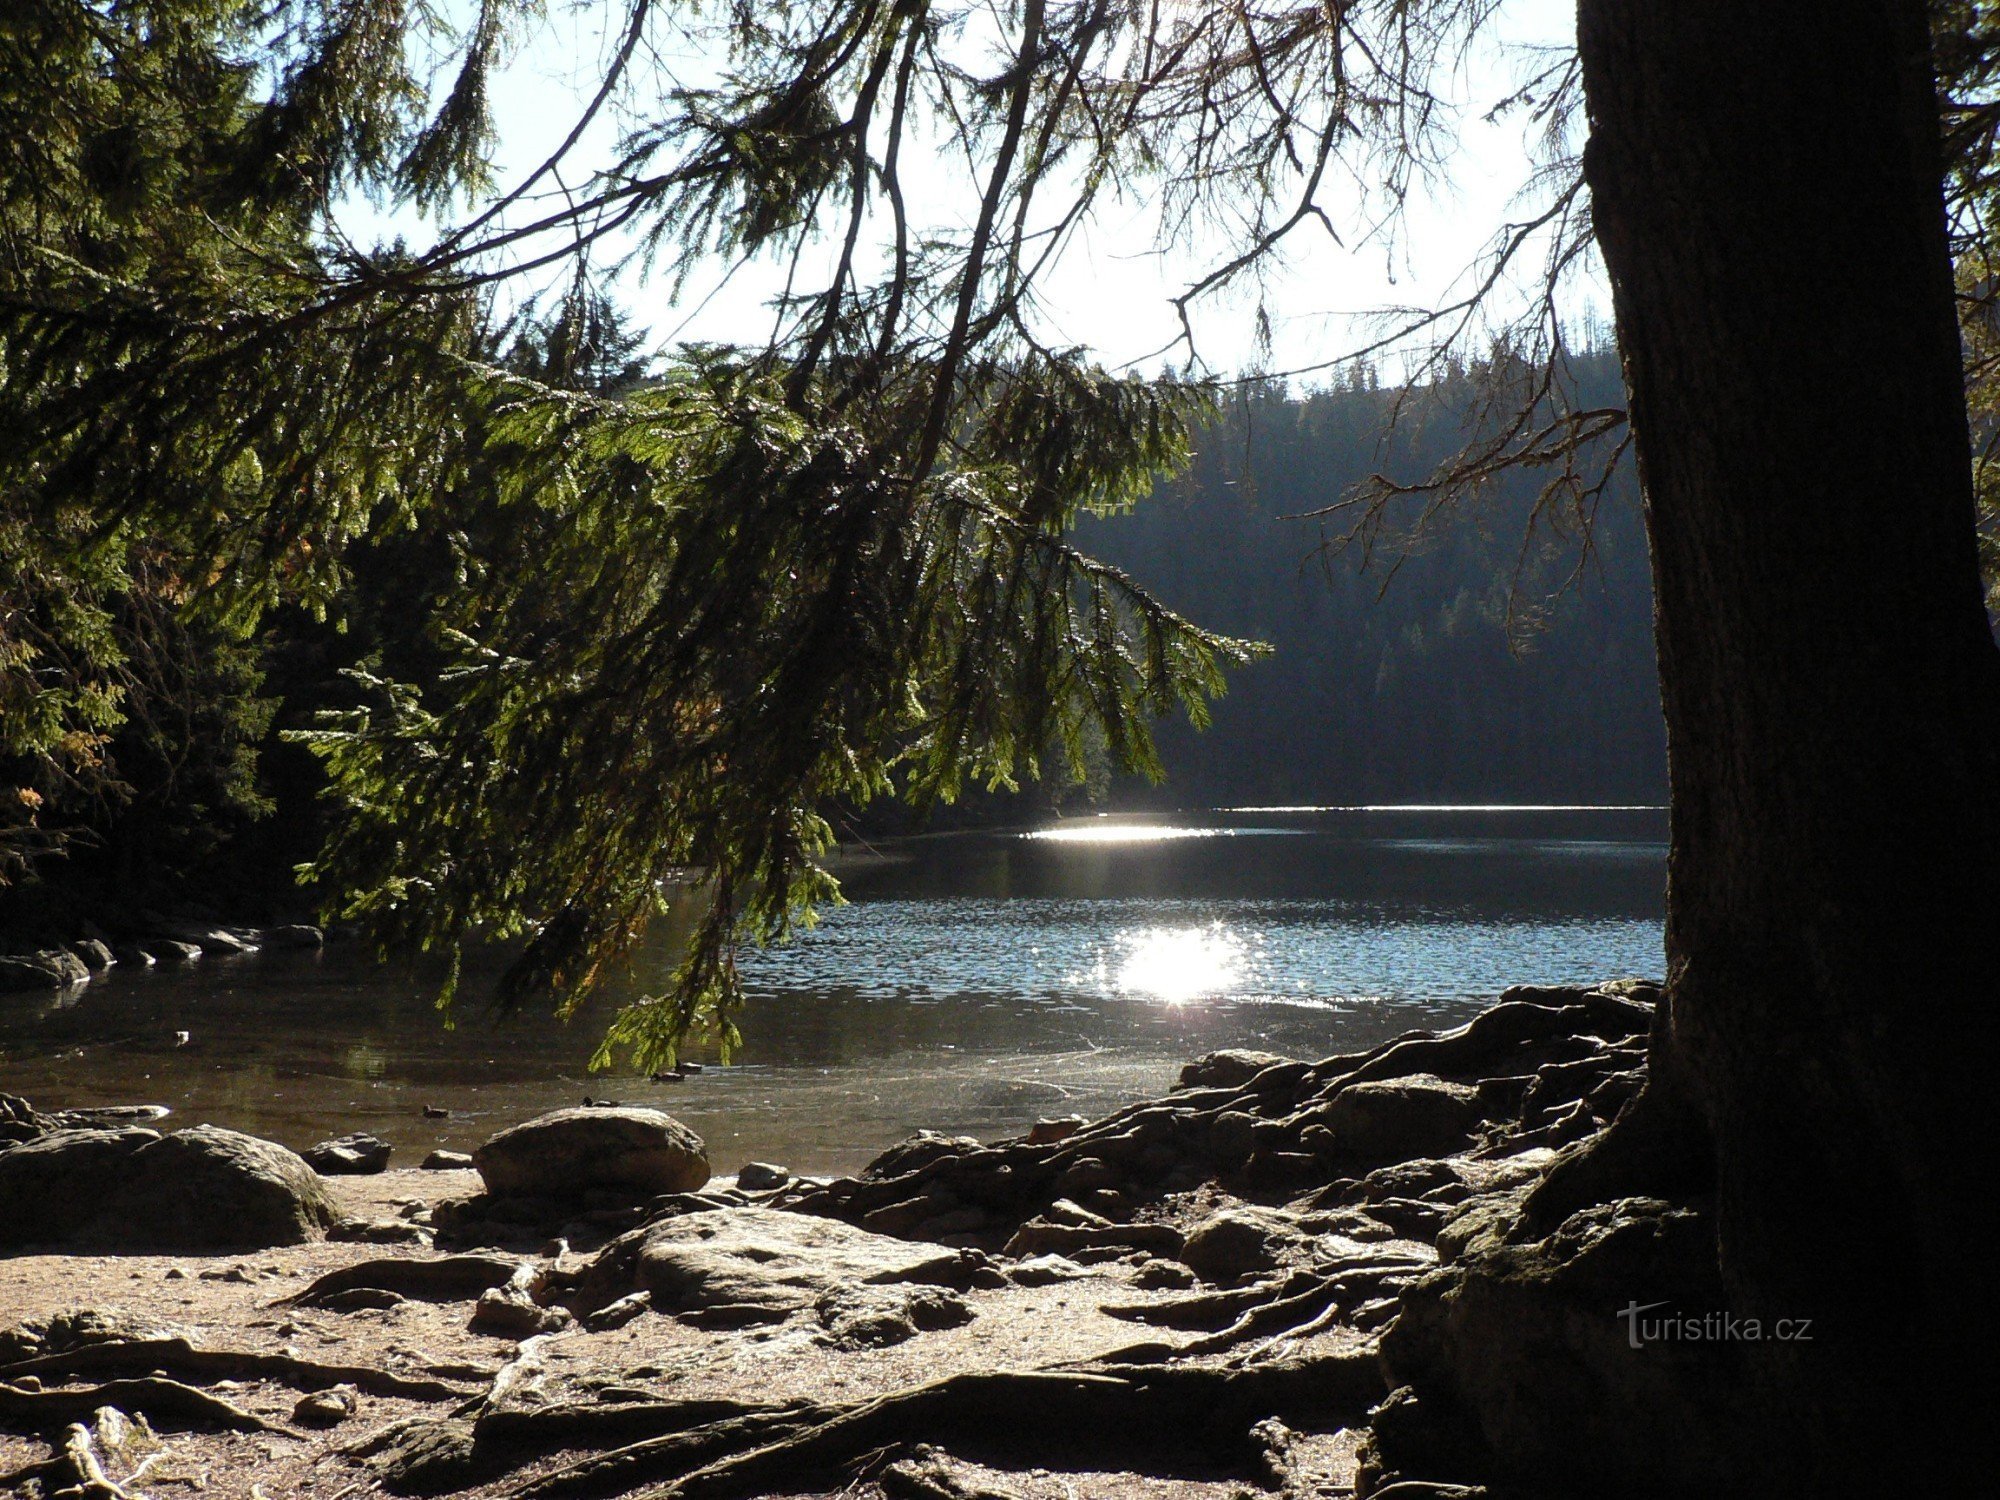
1706	1328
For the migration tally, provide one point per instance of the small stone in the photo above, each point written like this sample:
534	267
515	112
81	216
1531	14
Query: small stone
356	1155
762	1177
1045	1270
328	1408
618	1314
295	935
506	1312
446	1161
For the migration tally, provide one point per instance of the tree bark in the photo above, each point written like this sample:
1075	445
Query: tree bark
1767	190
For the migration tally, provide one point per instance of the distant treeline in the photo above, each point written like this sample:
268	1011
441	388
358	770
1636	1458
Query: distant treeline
1480	662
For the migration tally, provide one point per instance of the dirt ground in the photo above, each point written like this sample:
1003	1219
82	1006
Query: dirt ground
239	1303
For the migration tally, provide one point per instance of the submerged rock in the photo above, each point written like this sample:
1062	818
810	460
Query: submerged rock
50	969
643	1152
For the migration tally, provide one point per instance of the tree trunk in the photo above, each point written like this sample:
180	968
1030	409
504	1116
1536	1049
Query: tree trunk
1767	192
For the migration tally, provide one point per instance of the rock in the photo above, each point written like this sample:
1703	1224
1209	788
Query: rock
422	1455
508	1312
1241	1242
206	1188
1048	1132
446	1161
50	969
762	1177
203	936
21	1121
294	935
1046	1270
1521	1352
1228	1069
618	1314
1396	1119
920	1150
356	1155
380	1232
1163	1276
876	1317
92	954
133	955
639	1152
53	1187
169	951
750	1265
328	1408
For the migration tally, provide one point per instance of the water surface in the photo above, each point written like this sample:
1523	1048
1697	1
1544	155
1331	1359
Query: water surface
974	983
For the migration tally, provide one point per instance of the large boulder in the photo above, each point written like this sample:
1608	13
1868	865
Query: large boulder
643	1152
51	969
1398	1119
748	1265
53	1186
209	1189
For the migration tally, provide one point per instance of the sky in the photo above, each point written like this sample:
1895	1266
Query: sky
1111	290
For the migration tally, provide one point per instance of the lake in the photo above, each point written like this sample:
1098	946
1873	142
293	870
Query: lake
974	983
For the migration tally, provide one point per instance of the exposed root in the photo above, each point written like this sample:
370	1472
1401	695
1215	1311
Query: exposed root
1136	1413
456	1278
92	1483
164	1402
177	1357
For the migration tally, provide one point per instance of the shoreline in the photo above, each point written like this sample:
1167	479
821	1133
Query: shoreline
1253	1231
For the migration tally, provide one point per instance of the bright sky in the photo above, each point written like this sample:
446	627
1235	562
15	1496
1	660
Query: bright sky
1111	290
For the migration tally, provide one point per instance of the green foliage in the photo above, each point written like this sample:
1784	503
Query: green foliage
695	617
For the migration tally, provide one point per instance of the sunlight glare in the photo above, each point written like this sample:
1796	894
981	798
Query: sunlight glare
1178	965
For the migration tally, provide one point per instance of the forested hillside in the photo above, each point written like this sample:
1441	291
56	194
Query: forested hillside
1452	667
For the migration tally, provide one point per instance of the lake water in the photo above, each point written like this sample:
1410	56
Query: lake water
974	983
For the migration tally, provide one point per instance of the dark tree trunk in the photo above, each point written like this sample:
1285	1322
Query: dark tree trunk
1767	195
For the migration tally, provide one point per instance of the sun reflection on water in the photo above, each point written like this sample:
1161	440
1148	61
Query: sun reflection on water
1177	965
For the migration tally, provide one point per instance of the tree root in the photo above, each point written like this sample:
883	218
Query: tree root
177	1357
161	1401
1136	1413
80	1455
456	1278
